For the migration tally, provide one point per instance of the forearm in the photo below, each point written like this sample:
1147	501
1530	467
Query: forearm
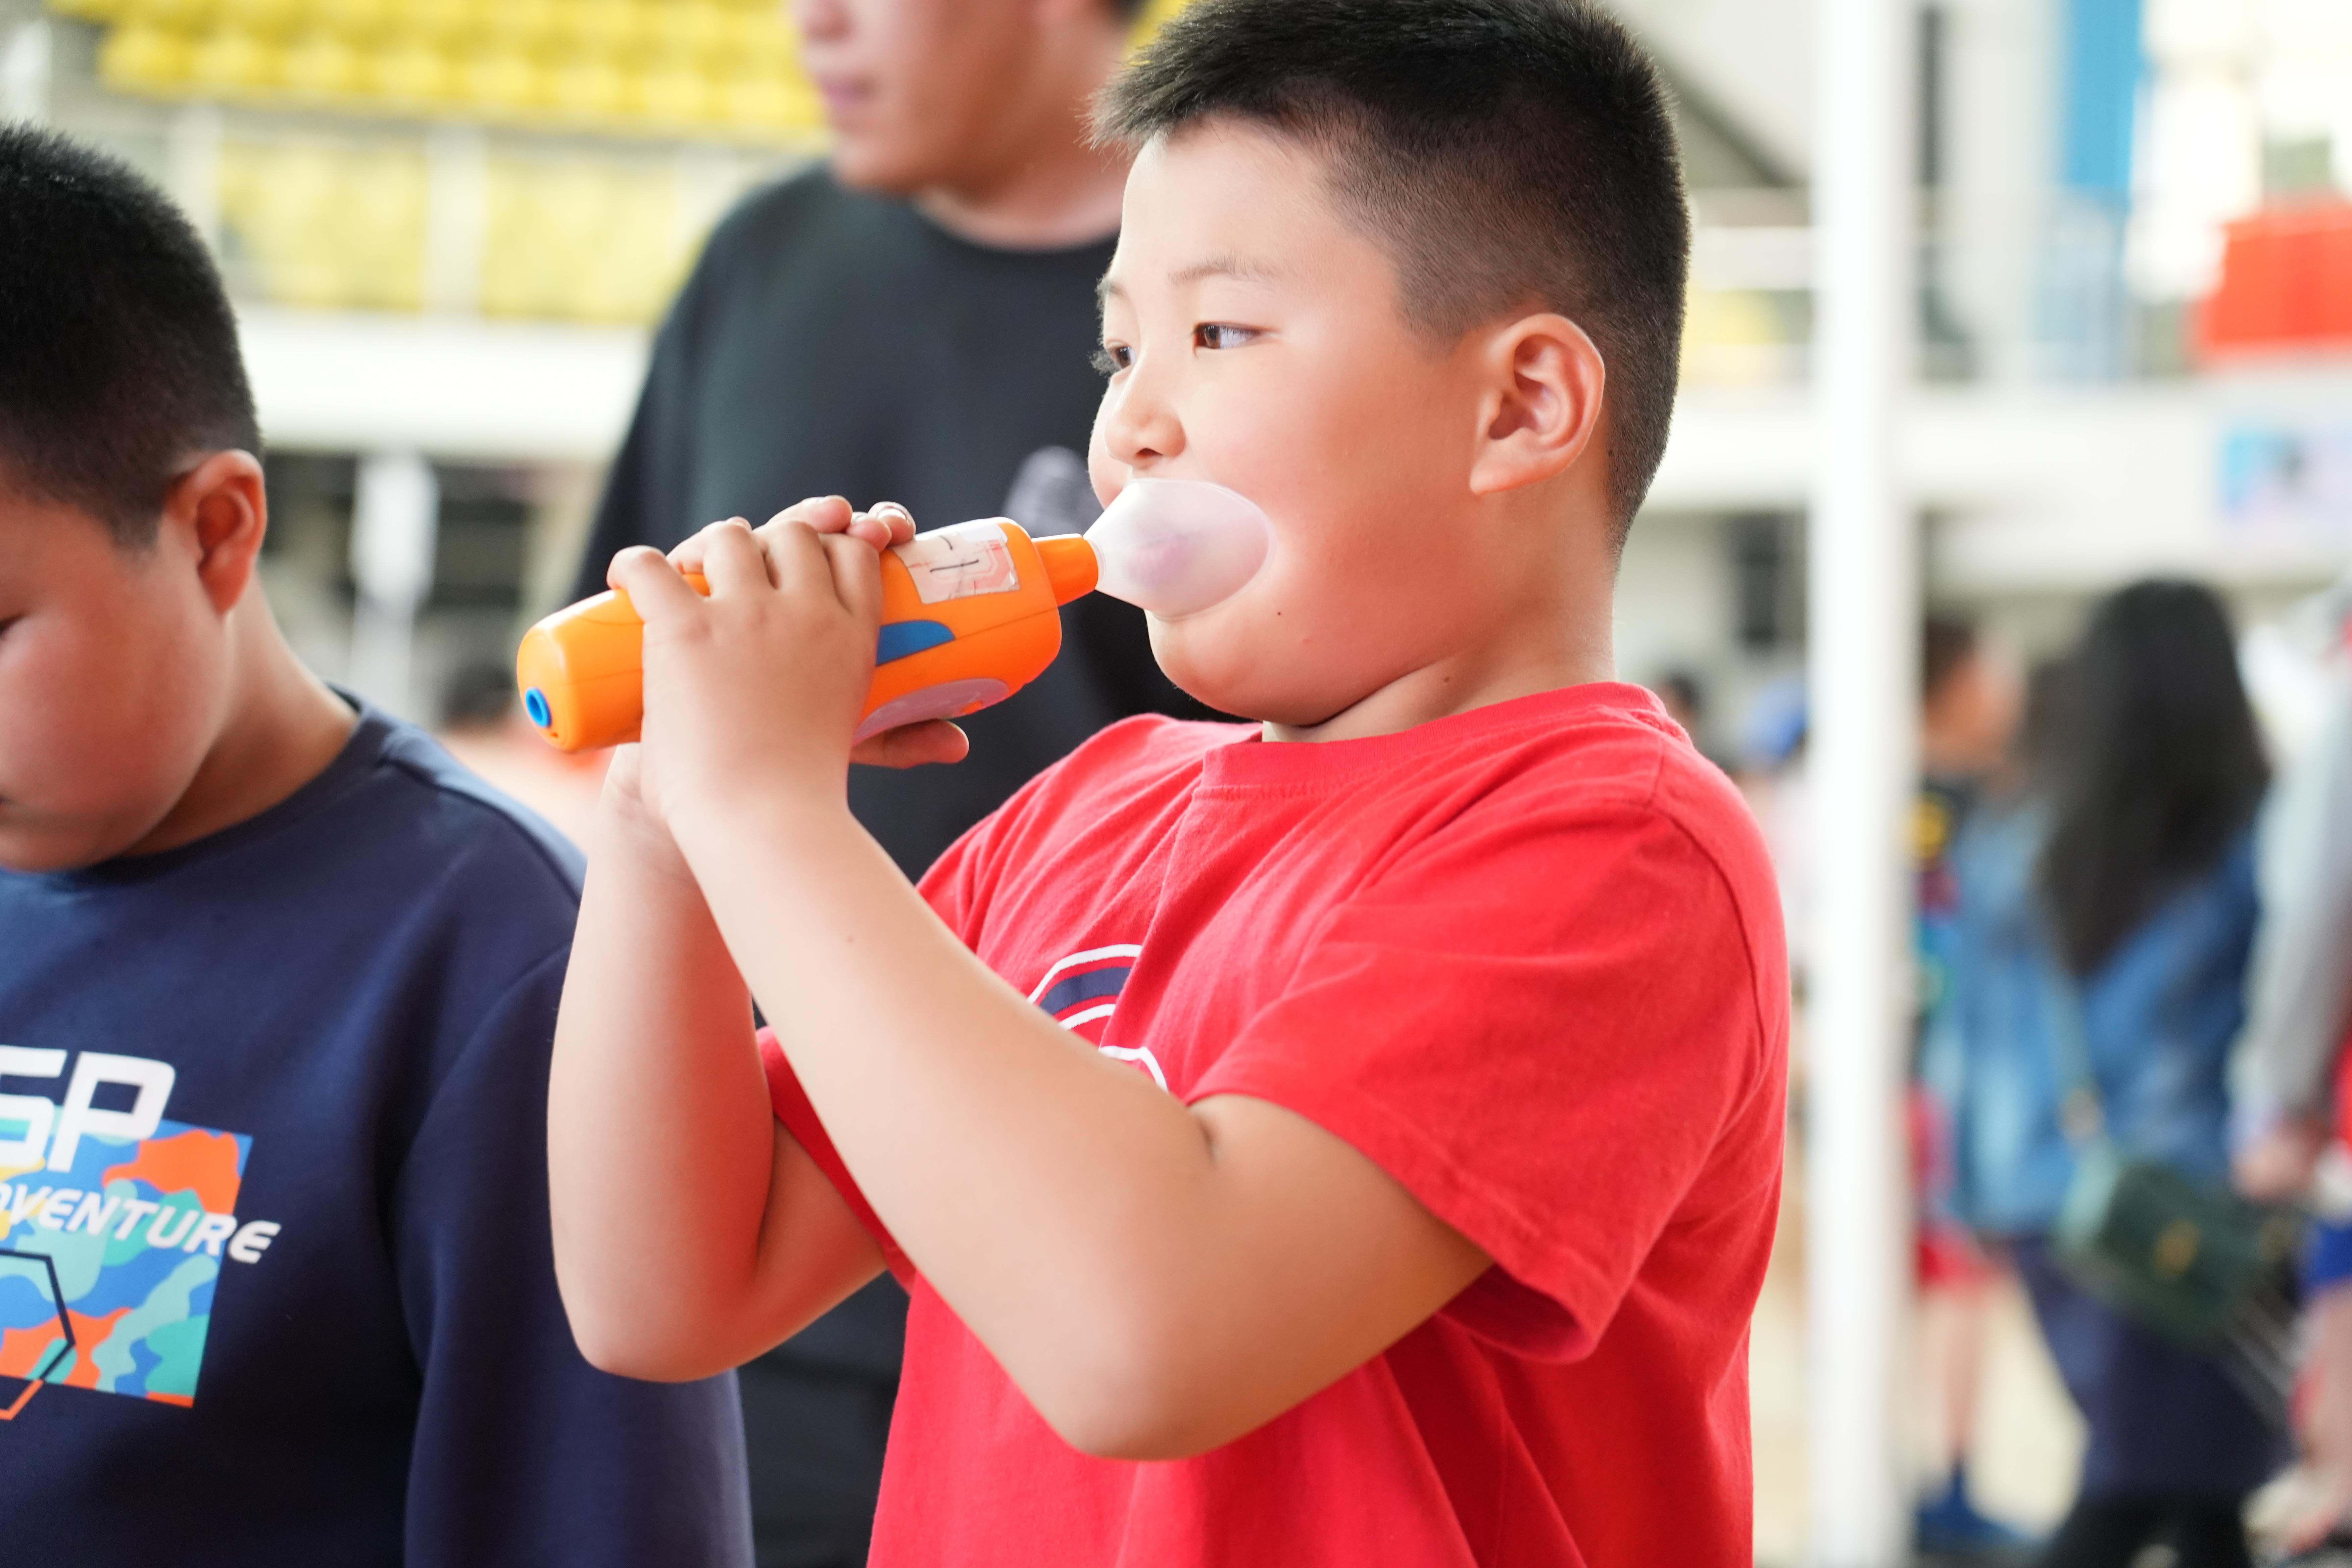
662	1154
1098	1236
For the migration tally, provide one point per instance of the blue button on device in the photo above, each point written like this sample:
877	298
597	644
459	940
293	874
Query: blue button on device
902	639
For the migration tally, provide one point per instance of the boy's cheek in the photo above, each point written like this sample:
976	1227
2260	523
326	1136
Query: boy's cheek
82	777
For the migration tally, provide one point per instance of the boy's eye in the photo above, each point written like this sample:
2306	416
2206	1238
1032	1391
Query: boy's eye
1221	335
1112	358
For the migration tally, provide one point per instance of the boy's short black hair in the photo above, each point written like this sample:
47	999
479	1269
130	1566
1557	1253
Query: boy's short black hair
1511	153
119	355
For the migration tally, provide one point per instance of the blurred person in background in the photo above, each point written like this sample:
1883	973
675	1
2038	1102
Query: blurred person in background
1771	775
913	321
1685	696
1685	702
1970	698
2287	1070
2118	890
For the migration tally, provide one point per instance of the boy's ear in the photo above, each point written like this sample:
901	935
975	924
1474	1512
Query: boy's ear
1543	380
222	508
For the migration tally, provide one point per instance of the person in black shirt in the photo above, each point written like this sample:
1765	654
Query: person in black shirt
913	321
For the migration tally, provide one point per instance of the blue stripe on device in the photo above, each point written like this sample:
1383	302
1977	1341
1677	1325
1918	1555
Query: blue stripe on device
902	639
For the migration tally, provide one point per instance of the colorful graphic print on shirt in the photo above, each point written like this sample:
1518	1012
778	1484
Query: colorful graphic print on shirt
1081	993
109	1260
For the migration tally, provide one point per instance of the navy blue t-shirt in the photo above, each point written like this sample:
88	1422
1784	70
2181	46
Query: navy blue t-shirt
275	1283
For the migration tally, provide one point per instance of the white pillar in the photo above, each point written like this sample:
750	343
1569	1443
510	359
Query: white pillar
457	217
1862	634
395	524
193	143
26	67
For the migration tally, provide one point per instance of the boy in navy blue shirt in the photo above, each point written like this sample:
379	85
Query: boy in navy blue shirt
278	985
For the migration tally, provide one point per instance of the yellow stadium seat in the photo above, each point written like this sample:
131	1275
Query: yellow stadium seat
139	56
411	70
267	18
599	25
233	62
187	15
324	68
584	87
359	20
668	90
504	81
523	24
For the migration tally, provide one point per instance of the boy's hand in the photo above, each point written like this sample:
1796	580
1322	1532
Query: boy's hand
764	680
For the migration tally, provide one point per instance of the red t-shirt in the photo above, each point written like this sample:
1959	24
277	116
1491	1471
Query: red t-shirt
1528	959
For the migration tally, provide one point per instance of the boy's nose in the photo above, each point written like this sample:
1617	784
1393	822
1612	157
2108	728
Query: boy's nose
1140	426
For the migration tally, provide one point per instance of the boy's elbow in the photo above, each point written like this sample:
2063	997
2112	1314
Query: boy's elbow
640	1356
629	1344
1117	1398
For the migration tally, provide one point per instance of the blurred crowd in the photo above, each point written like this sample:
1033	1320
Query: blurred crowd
2133	945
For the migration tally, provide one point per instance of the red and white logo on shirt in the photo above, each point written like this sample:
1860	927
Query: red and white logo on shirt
1081	993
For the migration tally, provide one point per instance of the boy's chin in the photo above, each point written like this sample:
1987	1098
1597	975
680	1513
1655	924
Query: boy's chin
1205	668
1222	675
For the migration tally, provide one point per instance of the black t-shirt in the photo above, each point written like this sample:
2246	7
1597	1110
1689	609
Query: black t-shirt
832	343
273	1207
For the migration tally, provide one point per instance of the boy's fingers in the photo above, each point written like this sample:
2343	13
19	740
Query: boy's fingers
654	587
887	523
796	556
914	746
856	574
688	556
732	560
822	514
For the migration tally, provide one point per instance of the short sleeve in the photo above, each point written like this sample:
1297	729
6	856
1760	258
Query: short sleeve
1542	1021
793	1109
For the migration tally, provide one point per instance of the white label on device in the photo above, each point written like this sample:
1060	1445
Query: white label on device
960	563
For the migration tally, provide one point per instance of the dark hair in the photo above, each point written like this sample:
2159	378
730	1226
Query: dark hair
118	349
1946	643
2152	767
1508	154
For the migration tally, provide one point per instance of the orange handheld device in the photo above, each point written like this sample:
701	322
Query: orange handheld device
970	615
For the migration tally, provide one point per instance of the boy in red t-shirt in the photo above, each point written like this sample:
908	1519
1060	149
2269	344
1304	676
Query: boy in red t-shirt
1351	1138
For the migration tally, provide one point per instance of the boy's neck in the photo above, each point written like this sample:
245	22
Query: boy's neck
1477	677
281	729
1558	630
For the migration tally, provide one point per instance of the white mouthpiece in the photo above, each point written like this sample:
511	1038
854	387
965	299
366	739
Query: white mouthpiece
1175	547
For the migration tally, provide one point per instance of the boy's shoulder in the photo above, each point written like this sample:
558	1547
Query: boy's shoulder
437	796
1561	767
1599	748
413	834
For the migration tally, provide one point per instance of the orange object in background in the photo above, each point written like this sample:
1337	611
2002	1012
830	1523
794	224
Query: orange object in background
2286	284
970	615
